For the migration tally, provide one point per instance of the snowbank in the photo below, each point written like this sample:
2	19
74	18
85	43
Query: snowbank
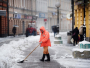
11	53
84	42
80	50
63	54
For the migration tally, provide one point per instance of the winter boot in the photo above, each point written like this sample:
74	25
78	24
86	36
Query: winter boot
42	58
48	57
73	44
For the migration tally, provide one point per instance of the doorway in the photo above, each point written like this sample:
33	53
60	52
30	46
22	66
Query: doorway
23	27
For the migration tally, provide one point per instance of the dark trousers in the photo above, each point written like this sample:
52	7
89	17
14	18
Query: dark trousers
81	38
75	41
54	34
14	34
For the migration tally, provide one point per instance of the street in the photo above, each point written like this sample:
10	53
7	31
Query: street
19	47
61	24
34	62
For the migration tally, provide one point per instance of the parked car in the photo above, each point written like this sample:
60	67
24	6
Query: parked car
31	31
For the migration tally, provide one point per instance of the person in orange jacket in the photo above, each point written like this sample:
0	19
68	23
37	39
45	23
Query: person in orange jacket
44	42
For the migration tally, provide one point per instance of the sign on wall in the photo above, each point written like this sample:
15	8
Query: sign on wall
27	17
2	12
34	18
45	20
17	16
53	13
41	15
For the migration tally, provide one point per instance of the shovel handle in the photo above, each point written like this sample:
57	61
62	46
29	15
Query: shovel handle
30	53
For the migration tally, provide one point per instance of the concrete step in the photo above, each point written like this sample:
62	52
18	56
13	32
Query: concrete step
81	53
58	38
58	42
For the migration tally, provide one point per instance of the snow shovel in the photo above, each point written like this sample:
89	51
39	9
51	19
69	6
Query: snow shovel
27	56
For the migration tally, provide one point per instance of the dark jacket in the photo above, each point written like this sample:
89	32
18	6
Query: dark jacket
14	30
55	29
75	33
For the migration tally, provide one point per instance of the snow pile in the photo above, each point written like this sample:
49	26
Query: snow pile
84	42
11	53
74	63
80	50
63	54
57	35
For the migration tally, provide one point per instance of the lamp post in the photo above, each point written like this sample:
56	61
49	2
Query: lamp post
84	27
36	21
57	5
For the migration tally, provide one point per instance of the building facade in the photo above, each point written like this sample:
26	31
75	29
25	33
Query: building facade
25	12
21	13
34	13
82	15
4	18
64	9
42	12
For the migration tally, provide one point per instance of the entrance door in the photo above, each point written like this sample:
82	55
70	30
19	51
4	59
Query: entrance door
3	26
0	25
23	27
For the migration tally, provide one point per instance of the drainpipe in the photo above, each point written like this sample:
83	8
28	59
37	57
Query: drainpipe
72	6
84	27
31	12
13	12
8	16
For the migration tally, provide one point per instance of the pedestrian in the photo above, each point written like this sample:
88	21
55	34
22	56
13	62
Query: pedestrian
75	33
81	32
54	28
14	31
27	32
45	43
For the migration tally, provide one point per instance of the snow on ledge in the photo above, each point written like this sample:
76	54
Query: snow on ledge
84	42
81	50
58	35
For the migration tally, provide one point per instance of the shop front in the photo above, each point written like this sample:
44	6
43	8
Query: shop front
4	18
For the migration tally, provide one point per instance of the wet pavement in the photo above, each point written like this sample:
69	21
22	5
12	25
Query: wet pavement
33	59
6	40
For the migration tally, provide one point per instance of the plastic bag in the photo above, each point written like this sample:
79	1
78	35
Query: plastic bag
72	40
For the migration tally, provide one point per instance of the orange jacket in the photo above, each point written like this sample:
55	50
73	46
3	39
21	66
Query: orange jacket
45	38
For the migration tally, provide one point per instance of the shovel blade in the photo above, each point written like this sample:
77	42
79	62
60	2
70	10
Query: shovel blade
21	61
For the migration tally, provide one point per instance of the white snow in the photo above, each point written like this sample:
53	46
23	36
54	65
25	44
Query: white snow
81	50
57	35
63	54
84	42
12	52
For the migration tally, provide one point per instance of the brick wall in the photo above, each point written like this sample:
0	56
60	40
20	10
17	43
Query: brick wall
19	23
3	20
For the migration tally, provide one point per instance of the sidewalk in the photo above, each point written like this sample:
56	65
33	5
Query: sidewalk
6	40
61	55
56	52
64	55
34	62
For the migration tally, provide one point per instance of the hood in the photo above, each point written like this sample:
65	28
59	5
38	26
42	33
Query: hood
42	28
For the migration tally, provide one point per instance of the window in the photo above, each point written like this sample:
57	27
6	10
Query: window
4	0
9	2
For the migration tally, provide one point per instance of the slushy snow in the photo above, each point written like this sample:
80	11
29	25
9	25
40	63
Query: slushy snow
12	52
